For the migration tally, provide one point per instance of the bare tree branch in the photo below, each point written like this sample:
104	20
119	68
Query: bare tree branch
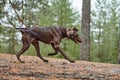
4	1
22	12
20	20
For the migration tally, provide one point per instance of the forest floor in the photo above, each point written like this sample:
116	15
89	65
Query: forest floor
55	69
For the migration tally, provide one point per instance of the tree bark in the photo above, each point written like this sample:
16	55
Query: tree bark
85	31
119	47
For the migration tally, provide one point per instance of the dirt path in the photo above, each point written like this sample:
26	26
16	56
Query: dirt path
55	69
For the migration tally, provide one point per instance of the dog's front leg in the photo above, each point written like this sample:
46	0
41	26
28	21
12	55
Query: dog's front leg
36	45
55	53
58	48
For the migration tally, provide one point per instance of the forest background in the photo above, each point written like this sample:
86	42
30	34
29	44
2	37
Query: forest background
104	26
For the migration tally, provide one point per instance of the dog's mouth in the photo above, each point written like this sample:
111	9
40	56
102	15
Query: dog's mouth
77	40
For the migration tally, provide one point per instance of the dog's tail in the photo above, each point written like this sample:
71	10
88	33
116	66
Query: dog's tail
21	28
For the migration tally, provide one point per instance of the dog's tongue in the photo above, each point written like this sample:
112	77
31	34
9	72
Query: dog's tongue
78	41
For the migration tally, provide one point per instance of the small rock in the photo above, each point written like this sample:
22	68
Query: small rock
77	76
114	70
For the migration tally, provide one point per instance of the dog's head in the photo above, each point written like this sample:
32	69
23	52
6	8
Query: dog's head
73	35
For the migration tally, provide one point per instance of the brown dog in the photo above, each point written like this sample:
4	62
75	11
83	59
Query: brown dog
48	35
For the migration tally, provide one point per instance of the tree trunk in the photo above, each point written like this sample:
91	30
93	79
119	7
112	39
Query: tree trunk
85	31
119	47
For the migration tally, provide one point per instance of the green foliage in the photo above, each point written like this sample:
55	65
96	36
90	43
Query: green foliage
104	41
7	40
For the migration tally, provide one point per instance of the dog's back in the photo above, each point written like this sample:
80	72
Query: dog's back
44	34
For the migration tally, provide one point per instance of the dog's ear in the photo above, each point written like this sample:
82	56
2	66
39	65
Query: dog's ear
75	29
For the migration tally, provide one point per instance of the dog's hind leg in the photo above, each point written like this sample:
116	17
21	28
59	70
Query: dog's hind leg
36	45
26	44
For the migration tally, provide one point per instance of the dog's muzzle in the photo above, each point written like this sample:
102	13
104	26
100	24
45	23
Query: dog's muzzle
77	40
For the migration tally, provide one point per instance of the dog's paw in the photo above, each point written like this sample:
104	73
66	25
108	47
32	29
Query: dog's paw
72	61
49	54
45	60
22	61
52	54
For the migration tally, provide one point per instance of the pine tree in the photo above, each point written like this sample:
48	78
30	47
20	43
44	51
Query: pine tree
85	31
